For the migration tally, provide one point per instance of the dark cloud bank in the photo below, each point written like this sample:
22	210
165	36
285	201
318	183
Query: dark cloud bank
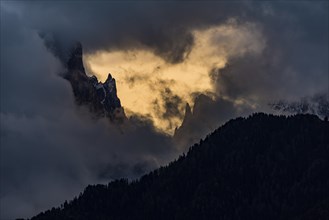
51	149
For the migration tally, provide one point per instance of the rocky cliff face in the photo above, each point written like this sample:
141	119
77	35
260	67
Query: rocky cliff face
207	114
100	98
197	123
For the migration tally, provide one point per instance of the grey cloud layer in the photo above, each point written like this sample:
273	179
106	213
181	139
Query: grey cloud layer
50	149
294	60
293	64
45	143
162	27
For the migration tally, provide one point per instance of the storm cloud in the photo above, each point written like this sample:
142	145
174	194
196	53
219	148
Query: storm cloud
51	149
292	63
162	27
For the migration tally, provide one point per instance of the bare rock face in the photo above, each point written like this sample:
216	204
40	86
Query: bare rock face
100	98
191	129
206	114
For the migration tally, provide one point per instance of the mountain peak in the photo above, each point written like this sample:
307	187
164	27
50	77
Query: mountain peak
188	111
188	115
101	98
75	61
109	77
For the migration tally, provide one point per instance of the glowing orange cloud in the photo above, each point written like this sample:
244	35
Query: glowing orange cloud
142	77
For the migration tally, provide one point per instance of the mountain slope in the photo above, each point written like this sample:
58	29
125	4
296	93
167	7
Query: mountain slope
261	167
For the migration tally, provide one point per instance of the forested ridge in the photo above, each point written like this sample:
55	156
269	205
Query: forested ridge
260	167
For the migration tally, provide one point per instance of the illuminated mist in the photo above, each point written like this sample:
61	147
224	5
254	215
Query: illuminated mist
158	90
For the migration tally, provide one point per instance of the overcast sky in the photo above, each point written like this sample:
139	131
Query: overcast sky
241	54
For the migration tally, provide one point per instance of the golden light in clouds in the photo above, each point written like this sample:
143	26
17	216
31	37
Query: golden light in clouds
143	78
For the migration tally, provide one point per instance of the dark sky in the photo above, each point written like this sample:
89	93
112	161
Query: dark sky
51	149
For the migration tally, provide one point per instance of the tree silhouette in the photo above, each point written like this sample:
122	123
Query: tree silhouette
260	167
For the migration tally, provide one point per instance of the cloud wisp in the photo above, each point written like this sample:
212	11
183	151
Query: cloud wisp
162	54
149	85
50	148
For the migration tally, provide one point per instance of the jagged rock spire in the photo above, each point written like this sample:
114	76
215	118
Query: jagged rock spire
101	98
188	110
188	114
75	61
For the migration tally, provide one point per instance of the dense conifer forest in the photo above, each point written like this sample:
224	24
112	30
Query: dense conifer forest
260	167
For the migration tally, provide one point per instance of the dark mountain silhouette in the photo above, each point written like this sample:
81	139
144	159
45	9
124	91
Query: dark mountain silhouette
100	98
260	167
207	114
